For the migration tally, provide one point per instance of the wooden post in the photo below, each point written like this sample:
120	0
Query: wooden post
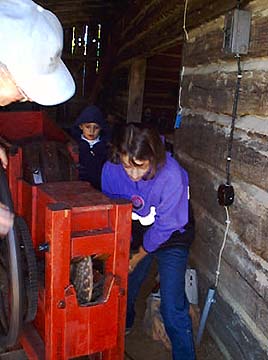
136	90
57	272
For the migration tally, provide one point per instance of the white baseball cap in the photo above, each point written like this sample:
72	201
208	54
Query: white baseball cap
31	42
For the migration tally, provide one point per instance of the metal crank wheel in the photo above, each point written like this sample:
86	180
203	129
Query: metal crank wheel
11	291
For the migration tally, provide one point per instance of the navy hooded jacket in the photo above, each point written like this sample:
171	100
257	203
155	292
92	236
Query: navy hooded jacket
91	157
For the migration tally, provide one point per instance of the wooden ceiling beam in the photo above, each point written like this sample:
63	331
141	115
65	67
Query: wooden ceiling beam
81	11
165	25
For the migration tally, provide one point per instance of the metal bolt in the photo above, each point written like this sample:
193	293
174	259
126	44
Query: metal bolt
43	247
61	304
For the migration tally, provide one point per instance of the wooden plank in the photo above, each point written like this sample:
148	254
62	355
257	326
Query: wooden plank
136	90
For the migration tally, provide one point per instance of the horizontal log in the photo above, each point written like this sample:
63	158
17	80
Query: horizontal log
249	214
215	92
206	141
163	107
173	50
157	96
165	23
206	42
151	43
162	115
233	337
167	86
205	45
250	218
153	73
251	309
150	15
162	100
162	61
83	11
258	43
209	238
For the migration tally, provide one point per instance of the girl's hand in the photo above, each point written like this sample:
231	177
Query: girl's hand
136	258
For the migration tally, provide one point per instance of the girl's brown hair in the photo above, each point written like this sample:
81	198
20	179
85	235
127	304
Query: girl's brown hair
139	142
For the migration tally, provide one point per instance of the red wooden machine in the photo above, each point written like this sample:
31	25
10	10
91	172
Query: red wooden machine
68	221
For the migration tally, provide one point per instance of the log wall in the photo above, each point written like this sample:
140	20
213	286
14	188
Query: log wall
153	30
161	87
238	320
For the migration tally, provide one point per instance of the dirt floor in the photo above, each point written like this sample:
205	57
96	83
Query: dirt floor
140	346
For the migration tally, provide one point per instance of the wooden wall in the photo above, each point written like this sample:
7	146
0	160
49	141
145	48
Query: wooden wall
153	30
162	86
238	320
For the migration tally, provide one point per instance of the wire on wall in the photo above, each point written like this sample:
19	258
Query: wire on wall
179	107
184	20
225	191
225	198
228	223
234	115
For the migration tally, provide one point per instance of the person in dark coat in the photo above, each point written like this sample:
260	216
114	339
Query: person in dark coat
89	130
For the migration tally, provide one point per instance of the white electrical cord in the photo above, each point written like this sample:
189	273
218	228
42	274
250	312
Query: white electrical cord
184	20
180	90
228	222
179	108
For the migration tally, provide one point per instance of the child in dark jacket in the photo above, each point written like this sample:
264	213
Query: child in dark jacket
88	130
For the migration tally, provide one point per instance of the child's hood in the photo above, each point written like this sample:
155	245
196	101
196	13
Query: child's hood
91	114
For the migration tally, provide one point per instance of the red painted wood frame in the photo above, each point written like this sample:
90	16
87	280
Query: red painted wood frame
74	220
80	221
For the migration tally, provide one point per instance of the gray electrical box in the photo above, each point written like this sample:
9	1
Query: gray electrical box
236	32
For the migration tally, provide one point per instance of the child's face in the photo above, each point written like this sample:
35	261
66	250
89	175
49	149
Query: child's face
90	130
135	172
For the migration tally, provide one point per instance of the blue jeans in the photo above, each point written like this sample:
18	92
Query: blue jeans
174	306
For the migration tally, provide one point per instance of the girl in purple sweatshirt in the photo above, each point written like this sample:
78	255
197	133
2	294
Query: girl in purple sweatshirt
141	171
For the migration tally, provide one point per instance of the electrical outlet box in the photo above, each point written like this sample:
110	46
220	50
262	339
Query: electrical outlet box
236	32
191	286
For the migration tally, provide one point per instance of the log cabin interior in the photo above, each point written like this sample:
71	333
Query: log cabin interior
164	62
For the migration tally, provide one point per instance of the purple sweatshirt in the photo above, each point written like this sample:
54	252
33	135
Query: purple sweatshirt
167	192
